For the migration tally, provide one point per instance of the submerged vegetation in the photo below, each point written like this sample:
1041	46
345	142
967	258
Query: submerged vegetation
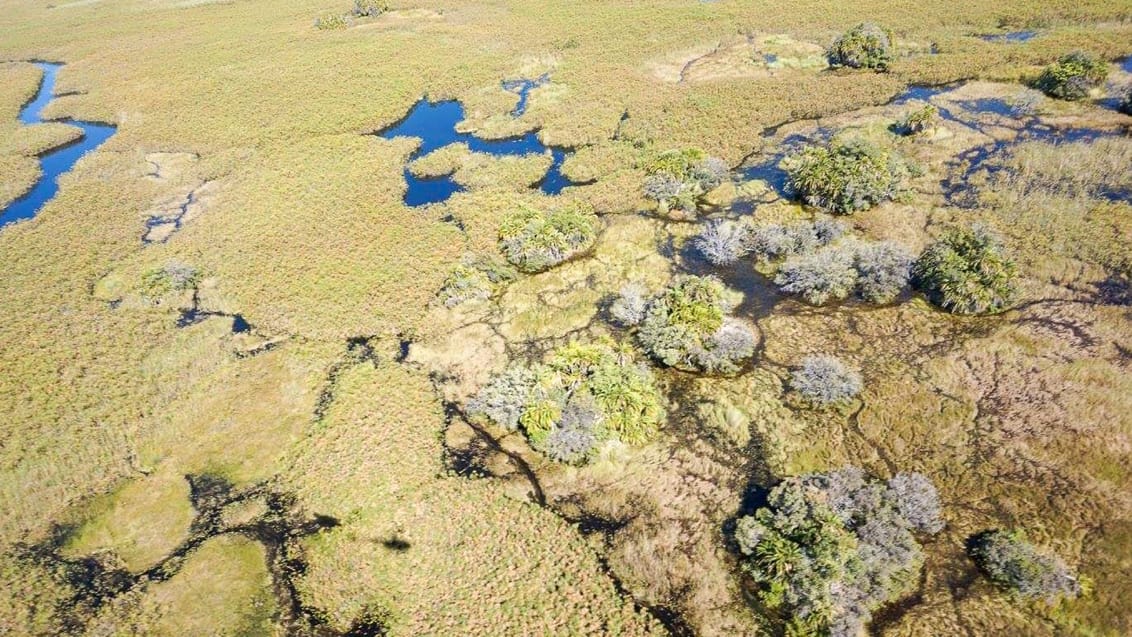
828	550
583	396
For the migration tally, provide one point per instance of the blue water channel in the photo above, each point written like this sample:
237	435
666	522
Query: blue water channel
434	123
58	160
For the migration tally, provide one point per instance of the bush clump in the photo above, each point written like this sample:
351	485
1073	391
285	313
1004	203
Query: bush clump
724	241
369	8
686	327
534	240
828	550
875	271
174	276
846	176
581	397
865	46
1018	566
1073	76
918	121
966	272
824	380
677	179
474	279
883	270
331	21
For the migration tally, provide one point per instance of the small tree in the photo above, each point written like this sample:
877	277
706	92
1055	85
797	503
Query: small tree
966	272
369	8
865	46
1073	76
1018	566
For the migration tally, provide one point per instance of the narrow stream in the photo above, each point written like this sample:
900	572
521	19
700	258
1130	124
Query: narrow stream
58	160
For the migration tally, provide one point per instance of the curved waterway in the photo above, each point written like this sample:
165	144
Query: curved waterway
434	123
58	160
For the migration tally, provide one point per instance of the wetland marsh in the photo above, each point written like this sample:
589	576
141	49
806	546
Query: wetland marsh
556	318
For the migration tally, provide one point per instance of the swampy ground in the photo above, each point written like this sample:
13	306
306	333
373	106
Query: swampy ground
279	447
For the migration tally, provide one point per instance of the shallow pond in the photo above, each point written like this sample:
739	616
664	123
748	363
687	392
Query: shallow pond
434	123
55	161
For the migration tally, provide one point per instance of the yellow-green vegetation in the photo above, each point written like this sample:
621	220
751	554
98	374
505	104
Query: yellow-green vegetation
122	375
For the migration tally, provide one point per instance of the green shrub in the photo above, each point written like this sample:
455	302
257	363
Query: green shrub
174	276
583	395
1021	568
678	178
966	272
331	21
845	177
1073	76
474	279
865	46
918	121
534	241
685	327
829	549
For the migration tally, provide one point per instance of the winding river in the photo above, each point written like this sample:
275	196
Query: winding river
58	160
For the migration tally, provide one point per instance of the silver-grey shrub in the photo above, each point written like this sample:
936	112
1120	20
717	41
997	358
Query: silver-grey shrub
1012	562
883	270
917	500
824	379
628	309
724	351
724	241
819	276
576	435
503	399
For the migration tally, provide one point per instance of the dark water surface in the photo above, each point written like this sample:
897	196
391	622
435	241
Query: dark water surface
58	160
434	123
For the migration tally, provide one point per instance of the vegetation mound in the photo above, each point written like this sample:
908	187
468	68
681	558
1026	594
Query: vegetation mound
846	177
677	179
1018	566
966	272
827	550
533	240
686	326
1073	76
583	396
865	46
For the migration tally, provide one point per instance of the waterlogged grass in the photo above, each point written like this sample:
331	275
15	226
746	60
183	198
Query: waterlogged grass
1020	419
